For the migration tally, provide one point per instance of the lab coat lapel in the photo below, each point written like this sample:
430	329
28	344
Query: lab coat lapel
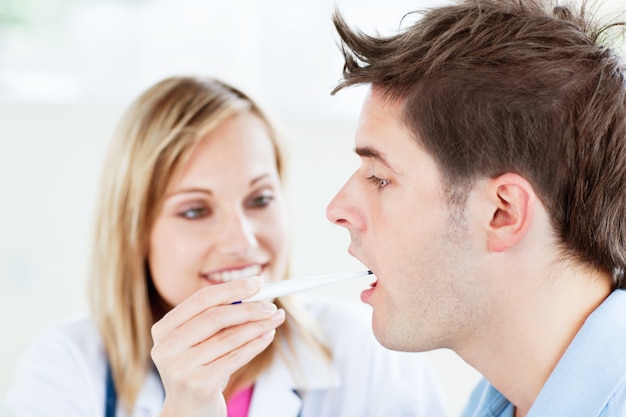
275	399
151	397
278	390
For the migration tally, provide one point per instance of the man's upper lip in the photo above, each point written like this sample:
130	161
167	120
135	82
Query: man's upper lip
354	255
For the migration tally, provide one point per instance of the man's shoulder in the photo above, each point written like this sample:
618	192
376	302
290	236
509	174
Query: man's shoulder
616	405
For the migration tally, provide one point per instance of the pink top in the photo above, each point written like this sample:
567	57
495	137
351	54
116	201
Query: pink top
239	403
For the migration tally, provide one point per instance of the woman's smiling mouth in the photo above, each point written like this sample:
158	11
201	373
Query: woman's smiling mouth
234	274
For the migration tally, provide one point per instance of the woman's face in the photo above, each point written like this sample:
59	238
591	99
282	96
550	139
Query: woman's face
224	217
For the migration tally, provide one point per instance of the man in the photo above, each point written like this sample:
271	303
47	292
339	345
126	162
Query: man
490	202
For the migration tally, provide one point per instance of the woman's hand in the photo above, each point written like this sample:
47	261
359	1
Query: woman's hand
205	339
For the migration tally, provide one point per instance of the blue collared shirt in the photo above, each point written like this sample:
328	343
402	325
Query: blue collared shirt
588	381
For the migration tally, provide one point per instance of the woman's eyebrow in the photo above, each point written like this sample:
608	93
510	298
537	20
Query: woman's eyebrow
189	191
259	178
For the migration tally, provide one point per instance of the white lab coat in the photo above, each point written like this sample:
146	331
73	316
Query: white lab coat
63	374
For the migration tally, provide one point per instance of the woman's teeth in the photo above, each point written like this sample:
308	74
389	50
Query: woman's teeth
235	274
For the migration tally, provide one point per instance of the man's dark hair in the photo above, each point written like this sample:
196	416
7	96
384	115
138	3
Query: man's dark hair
495	86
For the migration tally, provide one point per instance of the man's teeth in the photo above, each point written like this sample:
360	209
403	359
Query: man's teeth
235	274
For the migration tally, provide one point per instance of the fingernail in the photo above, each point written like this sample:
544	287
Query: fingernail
268	307
278	316
253	283
269	335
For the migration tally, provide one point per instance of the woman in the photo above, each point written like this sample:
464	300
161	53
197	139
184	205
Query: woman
192	217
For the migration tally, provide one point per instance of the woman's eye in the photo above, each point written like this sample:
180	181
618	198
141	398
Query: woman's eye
261	200
379	182
195	213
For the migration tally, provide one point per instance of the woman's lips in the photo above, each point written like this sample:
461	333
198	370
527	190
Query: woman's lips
234	274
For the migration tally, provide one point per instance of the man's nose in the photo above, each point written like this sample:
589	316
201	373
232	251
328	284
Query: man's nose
338	211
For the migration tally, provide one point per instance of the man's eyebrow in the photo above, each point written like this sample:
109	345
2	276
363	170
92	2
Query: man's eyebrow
369	152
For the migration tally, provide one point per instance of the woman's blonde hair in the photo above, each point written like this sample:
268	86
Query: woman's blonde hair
154	139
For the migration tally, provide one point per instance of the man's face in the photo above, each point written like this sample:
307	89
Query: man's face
402	228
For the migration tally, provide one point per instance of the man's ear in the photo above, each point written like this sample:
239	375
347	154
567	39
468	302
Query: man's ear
513	206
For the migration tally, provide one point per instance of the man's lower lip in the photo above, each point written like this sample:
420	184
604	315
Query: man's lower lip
366	295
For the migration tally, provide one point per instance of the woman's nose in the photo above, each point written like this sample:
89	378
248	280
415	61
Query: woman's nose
237	236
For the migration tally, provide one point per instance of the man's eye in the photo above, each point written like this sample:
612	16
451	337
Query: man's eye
195	213
379	182
261	200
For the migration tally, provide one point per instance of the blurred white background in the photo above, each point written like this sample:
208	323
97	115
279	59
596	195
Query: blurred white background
68	68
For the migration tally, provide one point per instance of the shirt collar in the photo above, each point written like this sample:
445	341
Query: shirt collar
591	368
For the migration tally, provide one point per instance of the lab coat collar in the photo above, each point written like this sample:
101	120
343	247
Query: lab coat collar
280	388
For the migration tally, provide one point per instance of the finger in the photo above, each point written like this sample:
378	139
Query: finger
222	294
235	359
211	350
227	364
233	338
182	369
204	380
211	321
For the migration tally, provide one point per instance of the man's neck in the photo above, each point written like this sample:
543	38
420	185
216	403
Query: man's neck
532	328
